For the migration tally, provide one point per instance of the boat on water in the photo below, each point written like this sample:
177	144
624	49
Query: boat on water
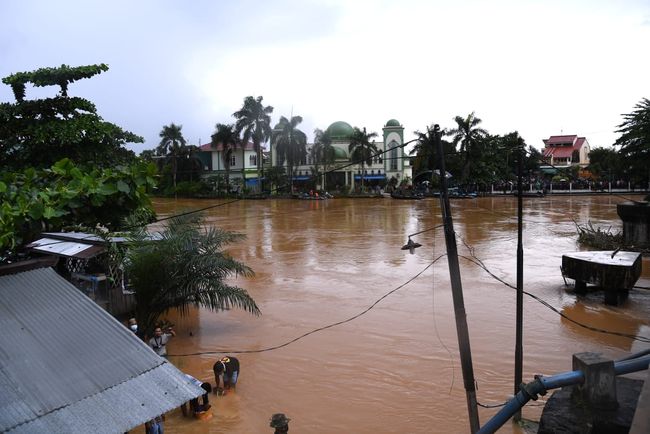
530	194
306	196
463	196
407	195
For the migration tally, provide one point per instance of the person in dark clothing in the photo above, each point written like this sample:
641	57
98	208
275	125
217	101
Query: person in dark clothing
228	368
194	403
280	422
133	326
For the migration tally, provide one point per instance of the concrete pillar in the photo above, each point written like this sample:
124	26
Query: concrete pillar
599	389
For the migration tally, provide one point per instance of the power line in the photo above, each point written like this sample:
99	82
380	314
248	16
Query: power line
275	347
473	259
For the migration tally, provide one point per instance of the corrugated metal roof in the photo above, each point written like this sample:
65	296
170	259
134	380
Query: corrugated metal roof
66	365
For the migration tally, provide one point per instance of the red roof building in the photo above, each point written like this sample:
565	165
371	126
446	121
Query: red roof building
566	151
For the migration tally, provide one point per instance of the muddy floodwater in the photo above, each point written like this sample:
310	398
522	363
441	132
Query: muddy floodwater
396	367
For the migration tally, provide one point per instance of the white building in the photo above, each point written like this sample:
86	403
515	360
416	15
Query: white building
388	163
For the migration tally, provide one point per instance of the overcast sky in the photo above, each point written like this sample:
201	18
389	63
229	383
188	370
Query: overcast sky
538	67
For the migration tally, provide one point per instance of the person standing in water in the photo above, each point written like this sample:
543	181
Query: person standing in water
159	341
226	368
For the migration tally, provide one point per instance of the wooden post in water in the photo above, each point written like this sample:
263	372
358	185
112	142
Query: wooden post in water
457	290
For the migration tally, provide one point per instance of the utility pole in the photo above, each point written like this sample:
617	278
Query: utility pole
519	352
457	291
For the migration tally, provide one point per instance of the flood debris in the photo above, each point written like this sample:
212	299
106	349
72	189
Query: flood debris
598	238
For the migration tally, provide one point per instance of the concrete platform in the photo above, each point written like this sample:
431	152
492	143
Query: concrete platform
615	272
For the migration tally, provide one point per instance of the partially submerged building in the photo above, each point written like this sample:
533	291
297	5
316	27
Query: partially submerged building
67	366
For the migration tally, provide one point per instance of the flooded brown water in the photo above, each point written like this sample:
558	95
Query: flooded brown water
396	368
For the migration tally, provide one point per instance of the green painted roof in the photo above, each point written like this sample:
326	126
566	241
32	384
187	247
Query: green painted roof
393	123
340	130
339	153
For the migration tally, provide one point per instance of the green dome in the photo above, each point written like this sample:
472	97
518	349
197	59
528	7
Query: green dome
340	130
339	153
393	123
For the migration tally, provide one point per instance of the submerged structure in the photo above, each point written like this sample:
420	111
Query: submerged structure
636	223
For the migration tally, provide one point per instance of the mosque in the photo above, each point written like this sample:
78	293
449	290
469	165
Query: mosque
385	165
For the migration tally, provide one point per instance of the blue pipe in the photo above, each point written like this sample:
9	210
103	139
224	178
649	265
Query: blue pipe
541	385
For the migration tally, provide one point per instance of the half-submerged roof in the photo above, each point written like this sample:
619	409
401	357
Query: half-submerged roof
66	365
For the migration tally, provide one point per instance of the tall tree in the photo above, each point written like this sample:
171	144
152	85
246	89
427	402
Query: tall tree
426	155
186	266
322	153
226	135
39	132
173	146
254	123
290	143
362	149
65	194
635	139
469	136
605	162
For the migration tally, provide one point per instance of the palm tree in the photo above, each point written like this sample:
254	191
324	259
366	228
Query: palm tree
172	145
185	267
424	150
227	136
362	149
322	152
254	121
469	136
291	143
426	154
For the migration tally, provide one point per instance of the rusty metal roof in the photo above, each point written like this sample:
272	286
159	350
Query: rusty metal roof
66	365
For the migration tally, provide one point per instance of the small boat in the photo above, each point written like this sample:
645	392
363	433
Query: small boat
406	194
530	194
306	196
462	195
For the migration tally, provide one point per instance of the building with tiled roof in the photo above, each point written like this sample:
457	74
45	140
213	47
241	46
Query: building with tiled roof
566	151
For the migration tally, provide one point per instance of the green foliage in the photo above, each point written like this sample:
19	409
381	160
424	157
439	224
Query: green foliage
362	149
290	144
226	135
470	137
635	139
322	153
254	123
277	176
426	155
37	133
605	162
185	267
192	188
65	194
61	76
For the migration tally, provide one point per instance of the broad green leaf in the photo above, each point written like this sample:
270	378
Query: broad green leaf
123	187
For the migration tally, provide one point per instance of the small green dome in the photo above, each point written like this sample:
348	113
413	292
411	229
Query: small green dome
339	153
340	130
393	123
